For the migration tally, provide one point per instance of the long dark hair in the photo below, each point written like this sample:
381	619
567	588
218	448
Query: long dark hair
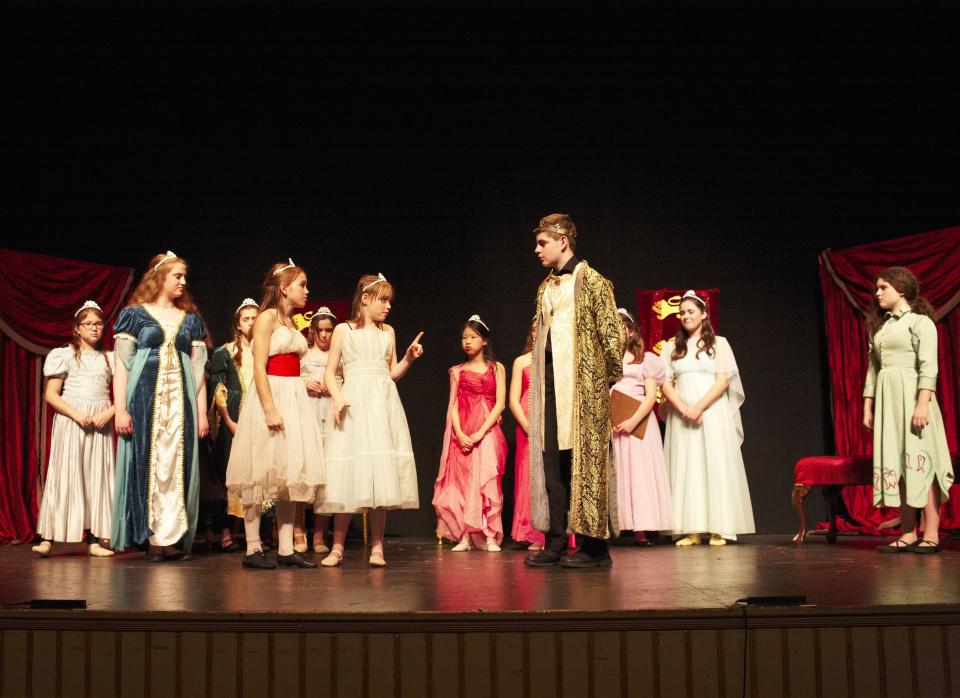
634	343
484	334
707	338
238	334
905	282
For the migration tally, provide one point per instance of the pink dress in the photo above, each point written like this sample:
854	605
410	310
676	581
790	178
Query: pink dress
643	486
523	529
468	494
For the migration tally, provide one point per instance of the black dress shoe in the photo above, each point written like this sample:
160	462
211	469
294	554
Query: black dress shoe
544	558
582	560
258	561
295	560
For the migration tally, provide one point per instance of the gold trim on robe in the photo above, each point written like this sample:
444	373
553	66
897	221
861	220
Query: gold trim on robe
598	345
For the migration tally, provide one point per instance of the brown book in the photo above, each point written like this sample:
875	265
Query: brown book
623	407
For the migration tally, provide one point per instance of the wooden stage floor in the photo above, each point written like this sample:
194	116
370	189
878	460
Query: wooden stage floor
424	578
662	622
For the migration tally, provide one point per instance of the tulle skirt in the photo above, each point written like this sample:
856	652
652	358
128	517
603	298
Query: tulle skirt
277	465
370	460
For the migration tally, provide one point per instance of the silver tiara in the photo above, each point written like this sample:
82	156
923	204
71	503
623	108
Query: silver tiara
324	311
476	318
166	258
88	305
247	302
380	277
691	294
290	265
623	311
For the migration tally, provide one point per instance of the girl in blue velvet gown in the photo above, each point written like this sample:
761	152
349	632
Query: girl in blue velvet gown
161	402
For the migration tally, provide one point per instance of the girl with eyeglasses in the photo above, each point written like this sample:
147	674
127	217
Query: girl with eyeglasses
78	491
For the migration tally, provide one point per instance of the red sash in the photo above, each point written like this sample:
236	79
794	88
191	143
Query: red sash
283	365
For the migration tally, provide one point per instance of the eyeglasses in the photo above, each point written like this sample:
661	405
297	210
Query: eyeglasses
92	325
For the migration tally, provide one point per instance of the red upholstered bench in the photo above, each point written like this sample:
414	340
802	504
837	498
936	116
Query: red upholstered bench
832	473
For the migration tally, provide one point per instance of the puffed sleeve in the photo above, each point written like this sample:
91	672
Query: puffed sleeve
57	363
654	367
870	384
925	344
128	324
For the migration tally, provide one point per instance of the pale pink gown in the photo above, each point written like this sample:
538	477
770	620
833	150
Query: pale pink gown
643	485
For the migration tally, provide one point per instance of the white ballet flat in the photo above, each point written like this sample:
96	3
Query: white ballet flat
462	546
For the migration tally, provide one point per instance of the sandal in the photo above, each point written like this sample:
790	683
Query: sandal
926	547
376	558
897	546
333	559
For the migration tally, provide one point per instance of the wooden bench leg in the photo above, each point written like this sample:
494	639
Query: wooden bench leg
800	493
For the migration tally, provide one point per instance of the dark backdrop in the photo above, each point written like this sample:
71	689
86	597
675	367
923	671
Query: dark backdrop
693	147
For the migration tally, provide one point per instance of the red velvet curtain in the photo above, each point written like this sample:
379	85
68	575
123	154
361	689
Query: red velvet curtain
40	295
846	279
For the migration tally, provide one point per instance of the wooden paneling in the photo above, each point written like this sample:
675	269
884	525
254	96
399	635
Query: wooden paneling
801	662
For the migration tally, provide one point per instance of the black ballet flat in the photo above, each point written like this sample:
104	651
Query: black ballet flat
898	546
258	561
295	560
930	548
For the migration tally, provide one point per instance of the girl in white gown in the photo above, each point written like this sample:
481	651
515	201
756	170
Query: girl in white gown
704	431
370	465
313	364
277	453
78	491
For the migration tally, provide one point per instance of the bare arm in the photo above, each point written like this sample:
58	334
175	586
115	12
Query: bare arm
516	390
262	330
56	401
330	372
649	398
399	368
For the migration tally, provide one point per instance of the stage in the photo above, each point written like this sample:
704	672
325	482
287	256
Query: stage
662	622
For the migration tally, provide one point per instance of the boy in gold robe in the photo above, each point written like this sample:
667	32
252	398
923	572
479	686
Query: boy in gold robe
577	356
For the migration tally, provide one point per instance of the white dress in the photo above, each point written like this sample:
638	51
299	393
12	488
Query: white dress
707	476
278	465
78	491
312	366
370	458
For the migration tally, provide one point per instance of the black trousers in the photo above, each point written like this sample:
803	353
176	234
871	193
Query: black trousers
556	474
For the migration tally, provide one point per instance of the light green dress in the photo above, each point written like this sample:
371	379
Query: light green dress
902	361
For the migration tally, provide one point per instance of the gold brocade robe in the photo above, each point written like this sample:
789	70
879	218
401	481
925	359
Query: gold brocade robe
598	345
